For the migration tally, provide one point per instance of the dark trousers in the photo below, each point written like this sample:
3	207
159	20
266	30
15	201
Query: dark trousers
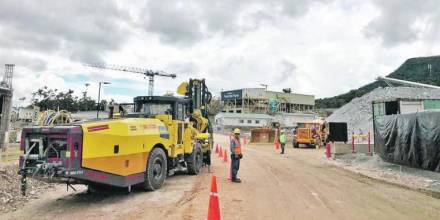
235	166
282	147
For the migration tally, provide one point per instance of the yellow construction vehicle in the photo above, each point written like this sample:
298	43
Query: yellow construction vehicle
309	133
165	134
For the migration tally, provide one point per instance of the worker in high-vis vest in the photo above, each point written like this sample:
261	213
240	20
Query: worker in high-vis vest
282	140
235	155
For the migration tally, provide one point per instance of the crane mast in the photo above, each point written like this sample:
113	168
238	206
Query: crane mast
146	72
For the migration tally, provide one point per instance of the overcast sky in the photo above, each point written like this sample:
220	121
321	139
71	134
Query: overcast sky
314	47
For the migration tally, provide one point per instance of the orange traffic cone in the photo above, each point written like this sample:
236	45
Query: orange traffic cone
216	149
245	140
214	205
277	145
225	156
220	154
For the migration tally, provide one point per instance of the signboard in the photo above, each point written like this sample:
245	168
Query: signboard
231	95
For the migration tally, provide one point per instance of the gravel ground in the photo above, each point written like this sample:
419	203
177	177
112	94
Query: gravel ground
296	185
375	167
10	194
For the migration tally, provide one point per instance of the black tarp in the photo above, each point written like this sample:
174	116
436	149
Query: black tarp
409	139
337	131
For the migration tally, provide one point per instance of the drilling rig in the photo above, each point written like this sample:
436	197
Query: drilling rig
165	134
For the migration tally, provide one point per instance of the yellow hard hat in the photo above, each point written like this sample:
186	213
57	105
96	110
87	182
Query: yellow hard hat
237	131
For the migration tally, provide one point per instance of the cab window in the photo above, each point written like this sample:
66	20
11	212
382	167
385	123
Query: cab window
156	109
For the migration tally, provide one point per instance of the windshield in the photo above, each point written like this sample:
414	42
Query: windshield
156	108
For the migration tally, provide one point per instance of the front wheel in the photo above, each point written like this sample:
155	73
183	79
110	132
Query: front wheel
195	160
156	171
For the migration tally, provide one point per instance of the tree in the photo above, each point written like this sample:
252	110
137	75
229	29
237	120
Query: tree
214	106
53	99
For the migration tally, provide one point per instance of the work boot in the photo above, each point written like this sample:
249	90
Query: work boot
236	180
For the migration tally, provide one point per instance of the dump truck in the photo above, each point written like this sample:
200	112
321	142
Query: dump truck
309	133
165	134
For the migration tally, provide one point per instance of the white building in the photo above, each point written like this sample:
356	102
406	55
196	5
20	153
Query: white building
247	120
242	120
257	107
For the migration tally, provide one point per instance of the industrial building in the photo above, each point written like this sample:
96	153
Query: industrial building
259	100
257	107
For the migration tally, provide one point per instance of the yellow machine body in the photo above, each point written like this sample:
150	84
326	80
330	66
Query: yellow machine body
122	146
309	133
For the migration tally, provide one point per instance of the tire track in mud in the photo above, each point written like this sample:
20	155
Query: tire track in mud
186	202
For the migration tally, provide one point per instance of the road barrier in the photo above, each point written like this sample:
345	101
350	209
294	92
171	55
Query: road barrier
360	137
214	204
327	150
225	156
277	145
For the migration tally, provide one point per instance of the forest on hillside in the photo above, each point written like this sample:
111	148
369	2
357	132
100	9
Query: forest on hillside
422	69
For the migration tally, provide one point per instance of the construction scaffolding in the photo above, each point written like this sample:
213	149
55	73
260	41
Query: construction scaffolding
260	101
6	103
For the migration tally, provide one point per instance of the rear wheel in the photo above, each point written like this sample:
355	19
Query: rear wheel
195	160
296	145
156	171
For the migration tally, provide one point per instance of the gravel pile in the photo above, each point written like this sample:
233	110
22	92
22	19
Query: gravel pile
375	167
358	112
10	194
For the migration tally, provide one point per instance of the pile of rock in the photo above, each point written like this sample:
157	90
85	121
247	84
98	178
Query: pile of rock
358	112
10	194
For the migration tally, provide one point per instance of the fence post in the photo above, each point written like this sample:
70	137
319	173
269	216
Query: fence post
327	150
369	144
352	142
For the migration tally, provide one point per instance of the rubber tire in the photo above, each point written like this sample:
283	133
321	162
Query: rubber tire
195	160
296	145
151	183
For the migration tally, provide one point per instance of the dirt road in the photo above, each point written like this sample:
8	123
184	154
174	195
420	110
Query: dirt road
297	185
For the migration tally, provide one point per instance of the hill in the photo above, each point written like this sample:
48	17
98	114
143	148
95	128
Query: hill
413	69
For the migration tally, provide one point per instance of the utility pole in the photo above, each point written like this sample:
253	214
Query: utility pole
99	97
85	95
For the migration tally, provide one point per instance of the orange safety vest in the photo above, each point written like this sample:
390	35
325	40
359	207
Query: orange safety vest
237	146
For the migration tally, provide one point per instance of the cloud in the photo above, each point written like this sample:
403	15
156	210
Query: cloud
315	47
298	7
184	23
22	60
288	70
80	30
403	21
174	21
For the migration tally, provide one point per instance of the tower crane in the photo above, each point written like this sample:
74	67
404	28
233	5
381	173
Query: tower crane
146	72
